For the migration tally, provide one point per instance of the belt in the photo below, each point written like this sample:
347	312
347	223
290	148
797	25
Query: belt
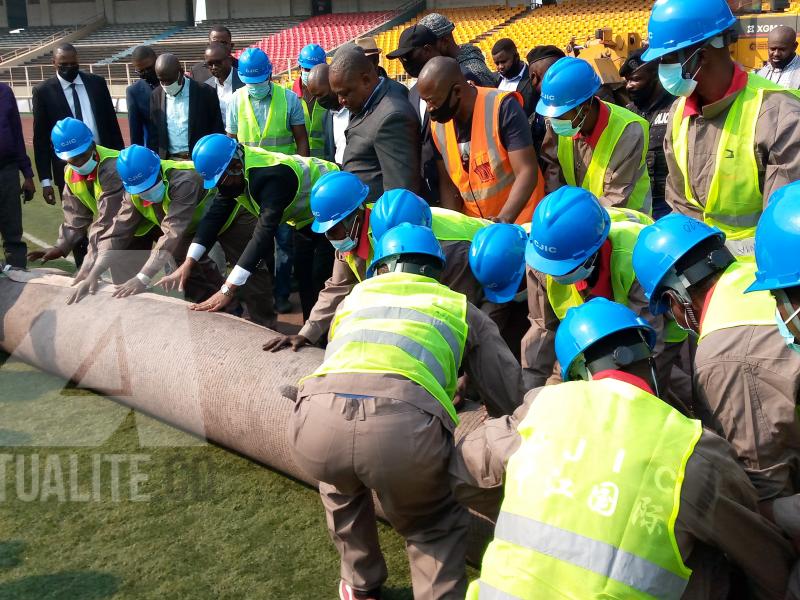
180	156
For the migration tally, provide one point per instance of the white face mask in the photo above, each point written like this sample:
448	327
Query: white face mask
174	88
155	194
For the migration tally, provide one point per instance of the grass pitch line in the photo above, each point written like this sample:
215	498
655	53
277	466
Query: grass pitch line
42	244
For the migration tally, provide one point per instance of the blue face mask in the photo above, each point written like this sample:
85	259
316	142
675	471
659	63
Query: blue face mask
155	194
564	128
672	79
344	245
579	274
259	91
86	167
787	335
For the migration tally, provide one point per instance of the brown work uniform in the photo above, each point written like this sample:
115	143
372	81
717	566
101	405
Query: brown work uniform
777	149
718	524
747	383
624	167
80	222
185	192
364	431
538	346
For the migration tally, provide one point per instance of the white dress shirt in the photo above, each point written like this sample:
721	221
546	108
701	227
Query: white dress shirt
788	77
86	109
341	119
510	85
178	120
423	107
224	92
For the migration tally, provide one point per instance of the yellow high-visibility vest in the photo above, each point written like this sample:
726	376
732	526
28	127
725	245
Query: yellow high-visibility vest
276	135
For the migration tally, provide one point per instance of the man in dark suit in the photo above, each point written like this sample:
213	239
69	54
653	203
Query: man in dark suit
137	95
181	111
224	78
219	34
71	93
512	73
383	137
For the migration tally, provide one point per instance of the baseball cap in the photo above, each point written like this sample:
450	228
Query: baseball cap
368	45
438	24
415	36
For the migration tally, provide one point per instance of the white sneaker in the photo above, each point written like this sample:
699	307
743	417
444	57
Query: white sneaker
346	593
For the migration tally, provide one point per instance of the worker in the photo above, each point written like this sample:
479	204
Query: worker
576	251
91	199
311	56
734	137
610	492
746	380
264	114
590	143
777	243
271	189
497	261
487	166
389	375
163	195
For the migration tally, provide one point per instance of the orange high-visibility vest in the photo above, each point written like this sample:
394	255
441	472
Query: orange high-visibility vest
485	188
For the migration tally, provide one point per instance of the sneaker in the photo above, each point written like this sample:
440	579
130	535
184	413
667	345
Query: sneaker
283	306
348	593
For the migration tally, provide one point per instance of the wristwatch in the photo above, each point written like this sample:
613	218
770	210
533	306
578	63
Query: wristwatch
226	291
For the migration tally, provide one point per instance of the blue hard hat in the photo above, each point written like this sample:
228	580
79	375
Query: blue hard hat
660	246
335	196
568	83
678	24
311	56
395	207
71	137
211	155
254	66
497	259
139	168
589	323
406	239
778	241
568	226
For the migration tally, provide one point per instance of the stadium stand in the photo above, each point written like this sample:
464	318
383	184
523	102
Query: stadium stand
14	41
471	24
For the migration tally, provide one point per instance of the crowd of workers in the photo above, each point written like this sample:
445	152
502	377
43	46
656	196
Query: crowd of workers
618	286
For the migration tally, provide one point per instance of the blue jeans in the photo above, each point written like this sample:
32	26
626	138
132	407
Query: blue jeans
284	259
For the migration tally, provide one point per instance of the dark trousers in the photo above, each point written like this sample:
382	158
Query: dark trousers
314	256
11	217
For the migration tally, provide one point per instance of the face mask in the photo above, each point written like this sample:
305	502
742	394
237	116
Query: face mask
445	112
149	75
304	76
672	79
86	167
579	274
329	103
343	245
564	128
68	73
174	88
787	336
155	194
259	91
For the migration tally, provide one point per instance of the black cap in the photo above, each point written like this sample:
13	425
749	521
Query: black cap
415	36
632	63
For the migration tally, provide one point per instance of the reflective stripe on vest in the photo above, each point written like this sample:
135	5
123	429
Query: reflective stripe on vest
450	225
734	200
591	498
315	126
625	228
149	211
486	186
405	324
276	136
595	178
307	170
628	214
731	307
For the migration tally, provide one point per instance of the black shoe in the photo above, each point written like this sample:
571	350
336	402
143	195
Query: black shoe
283	306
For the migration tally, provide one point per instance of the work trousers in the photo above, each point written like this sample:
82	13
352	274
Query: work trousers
314	256
11	217
354	445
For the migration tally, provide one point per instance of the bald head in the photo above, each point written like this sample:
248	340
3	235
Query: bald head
443	86
168	69
352	77
781	46
319	86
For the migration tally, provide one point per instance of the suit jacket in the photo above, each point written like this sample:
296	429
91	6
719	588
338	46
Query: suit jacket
524	87
383	144
50	105
137	96
236	83
429	172
204	116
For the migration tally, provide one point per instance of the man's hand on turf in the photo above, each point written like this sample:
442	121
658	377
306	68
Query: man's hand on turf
133	286
89	286
282	341
216	303
49	194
